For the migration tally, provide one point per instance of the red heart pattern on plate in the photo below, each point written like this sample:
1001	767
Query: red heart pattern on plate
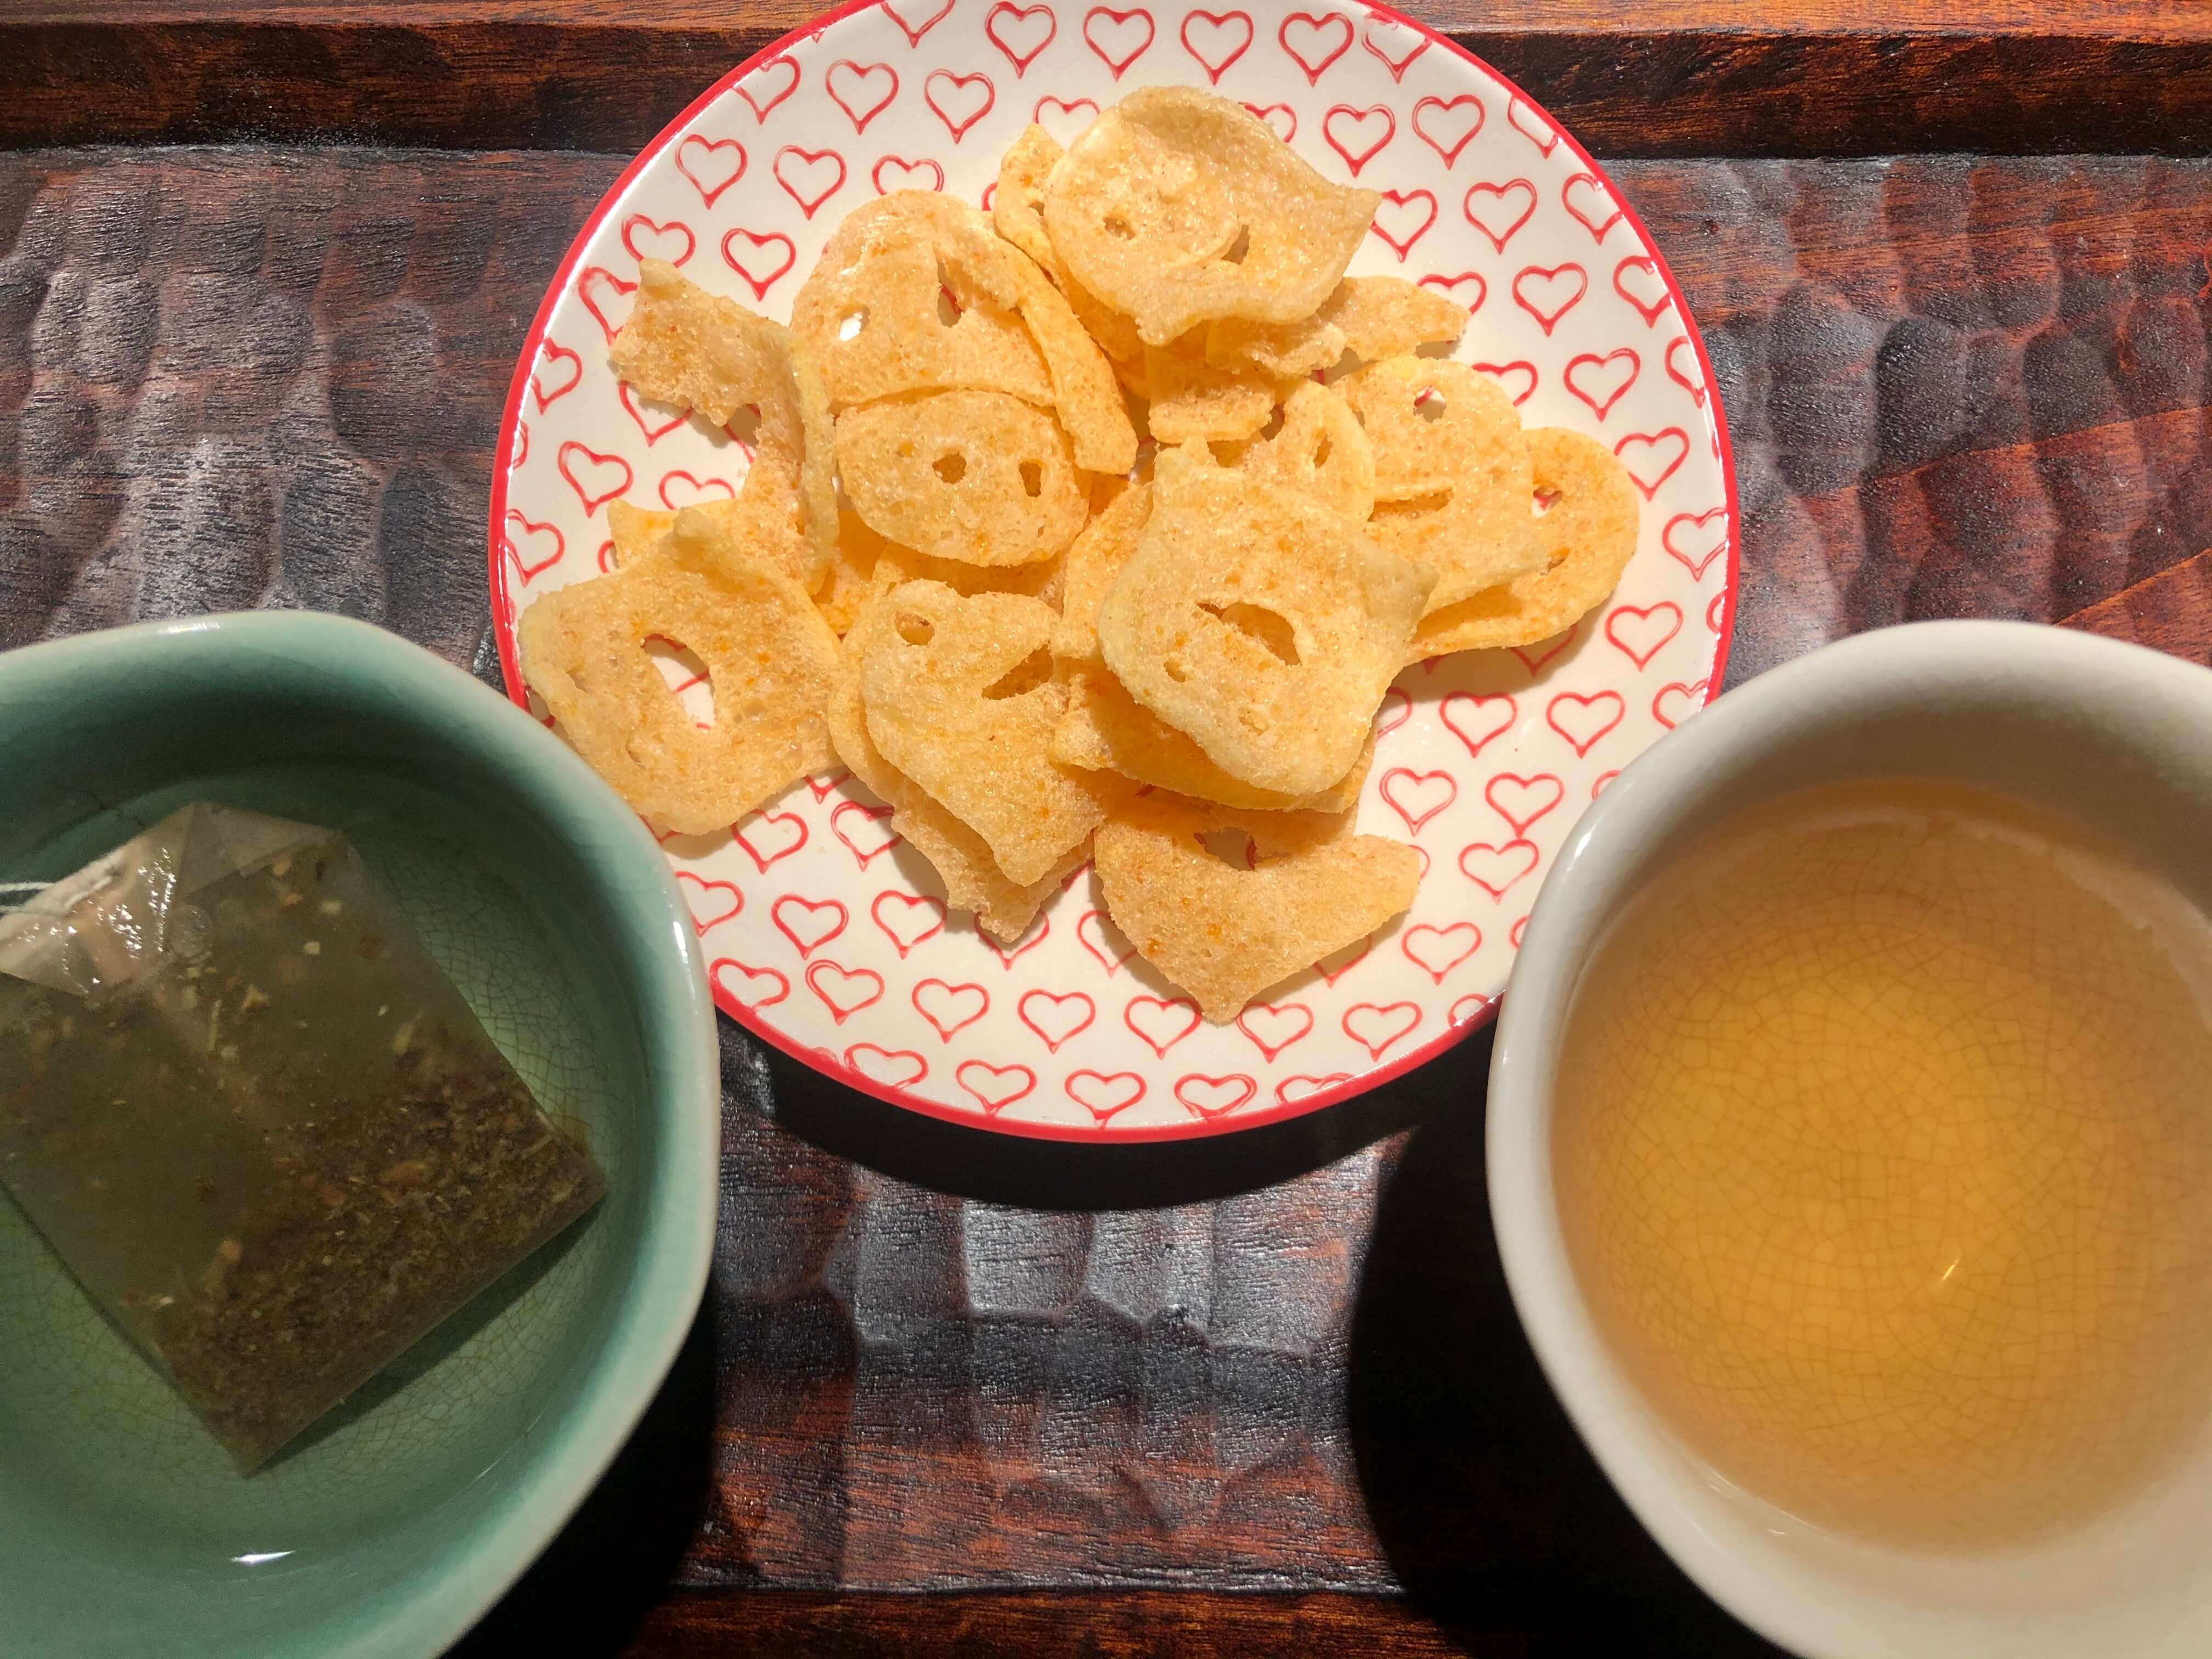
907	919
895	1069
1275	1027
1118	38
1437	950
748	253
1103	1094
1358	136
1055	1017
1499	211
751	988
1403	218
863	91
1394	44
531	549
1021	32
1315	42
1447	125
770	837
823	932
1217	40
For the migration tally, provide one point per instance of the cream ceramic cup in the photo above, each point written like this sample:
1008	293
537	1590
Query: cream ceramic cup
2113	735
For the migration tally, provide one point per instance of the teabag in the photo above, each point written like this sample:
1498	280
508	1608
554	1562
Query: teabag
257	1121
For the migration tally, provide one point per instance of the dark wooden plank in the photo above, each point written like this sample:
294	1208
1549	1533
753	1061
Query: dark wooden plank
1188	1624
1956	388
1681	77
932	1360
2171	611
262	378
2119	20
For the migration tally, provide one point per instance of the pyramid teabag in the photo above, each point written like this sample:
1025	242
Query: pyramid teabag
257	1121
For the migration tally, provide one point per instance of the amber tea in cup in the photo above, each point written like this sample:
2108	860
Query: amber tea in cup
1883	1146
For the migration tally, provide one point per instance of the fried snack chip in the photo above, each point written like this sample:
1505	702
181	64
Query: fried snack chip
1041	581
1093	561
1225	933
1017	198
692	349
1451	471
916	292
1427	421
637	533
975	476
1082	386
1588	536
1105	730
1177	206
1321	450
973	881
1193	399
1262	623
901	302
1468	534
753	528
1389	317
1018	212
769	656
852	578
1369	317
1286	351
866	564
959	696
1086	392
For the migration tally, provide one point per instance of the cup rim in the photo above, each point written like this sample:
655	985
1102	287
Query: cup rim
431	1604
1786	1600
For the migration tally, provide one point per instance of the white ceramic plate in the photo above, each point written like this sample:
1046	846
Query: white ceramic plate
826	936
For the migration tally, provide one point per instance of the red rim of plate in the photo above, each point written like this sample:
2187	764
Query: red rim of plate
821	1059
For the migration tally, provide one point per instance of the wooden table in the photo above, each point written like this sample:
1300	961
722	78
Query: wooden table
267	265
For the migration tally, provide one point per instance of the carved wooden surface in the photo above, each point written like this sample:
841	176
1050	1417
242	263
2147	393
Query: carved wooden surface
1676	78
1134	1624
1094	1379
2171	611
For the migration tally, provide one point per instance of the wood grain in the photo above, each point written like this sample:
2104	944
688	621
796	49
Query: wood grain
2171	611
1283	1366
2118	20
1683	77
1956	388
1188	1623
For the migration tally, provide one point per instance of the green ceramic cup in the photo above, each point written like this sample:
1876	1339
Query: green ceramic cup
390	1527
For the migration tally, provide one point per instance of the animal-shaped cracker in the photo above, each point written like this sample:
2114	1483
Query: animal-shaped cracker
768	657
959	696
686	347
1177	206
1366	317
975	476
1588	536
1451	473
1226	931
973	881
917	292
1321	451
1259	621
